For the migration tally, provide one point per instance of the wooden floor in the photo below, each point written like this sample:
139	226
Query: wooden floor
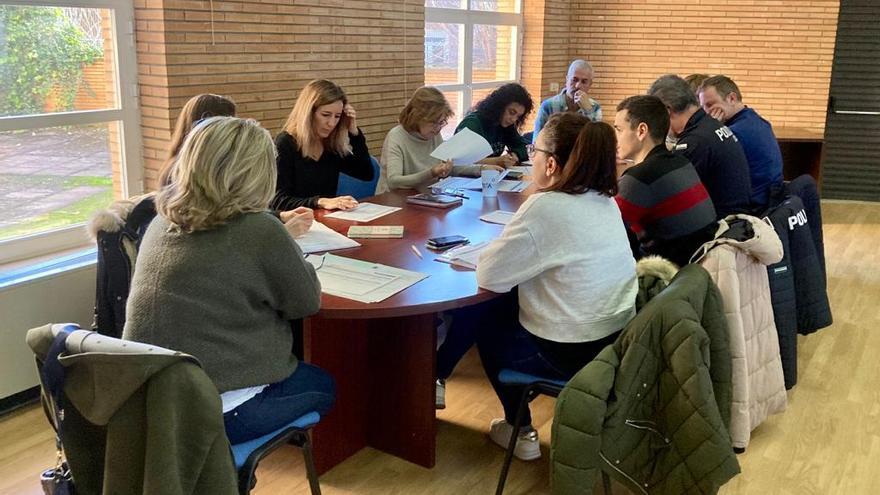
828	442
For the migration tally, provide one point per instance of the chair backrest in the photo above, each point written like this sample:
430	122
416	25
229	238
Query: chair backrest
357	188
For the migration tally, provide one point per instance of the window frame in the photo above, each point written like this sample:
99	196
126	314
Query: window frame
126	115
469	18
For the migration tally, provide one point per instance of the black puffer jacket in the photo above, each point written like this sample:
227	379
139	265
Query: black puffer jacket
797	283
118	232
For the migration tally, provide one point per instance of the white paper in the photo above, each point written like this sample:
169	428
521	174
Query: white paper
459	183
524	169
463	148
466	256
500	217
513	185
361	280
322	238
365	212
477	183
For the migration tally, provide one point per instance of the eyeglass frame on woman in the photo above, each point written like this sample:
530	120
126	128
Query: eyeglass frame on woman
440	125
531	149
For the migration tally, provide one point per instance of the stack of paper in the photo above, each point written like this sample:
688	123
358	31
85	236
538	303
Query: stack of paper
322	238
498	216
365	212
361	280
376	231
466	256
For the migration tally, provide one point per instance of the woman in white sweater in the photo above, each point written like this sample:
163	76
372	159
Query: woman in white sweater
406	161
564	262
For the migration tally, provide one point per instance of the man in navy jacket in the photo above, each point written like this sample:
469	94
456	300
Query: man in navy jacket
709	145
721	98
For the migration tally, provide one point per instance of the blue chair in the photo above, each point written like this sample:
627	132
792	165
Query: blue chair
534	386
248	454
357	188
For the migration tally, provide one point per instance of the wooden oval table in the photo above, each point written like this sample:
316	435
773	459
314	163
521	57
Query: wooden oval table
382	355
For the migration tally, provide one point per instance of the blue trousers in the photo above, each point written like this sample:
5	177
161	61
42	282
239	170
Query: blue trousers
504	343
307	389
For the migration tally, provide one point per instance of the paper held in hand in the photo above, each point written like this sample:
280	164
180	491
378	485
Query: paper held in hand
361	280
365	212
465	256
322	238
464	148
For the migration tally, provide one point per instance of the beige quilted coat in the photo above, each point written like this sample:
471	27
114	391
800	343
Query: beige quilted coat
737	260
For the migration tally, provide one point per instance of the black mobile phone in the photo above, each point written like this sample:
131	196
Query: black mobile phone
446	241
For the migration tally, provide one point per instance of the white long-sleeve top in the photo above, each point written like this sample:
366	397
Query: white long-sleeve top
571	259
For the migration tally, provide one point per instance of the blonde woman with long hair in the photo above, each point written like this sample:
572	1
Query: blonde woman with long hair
320	139
406	160
203	106
209	283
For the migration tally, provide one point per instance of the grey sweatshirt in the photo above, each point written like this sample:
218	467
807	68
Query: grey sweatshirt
225	296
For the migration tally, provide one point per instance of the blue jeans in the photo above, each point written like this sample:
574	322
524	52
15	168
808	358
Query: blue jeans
307	389
504	343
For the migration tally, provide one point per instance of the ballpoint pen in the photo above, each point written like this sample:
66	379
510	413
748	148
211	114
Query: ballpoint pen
416	250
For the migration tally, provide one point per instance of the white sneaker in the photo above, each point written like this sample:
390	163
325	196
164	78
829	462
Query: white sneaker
440	394
527	446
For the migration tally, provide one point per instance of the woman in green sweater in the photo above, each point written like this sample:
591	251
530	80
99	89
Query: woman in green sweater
218	277
498	118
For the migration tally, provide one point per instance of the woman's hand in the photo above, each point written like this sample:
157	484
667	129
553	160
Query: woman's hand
338	203
442	169
506	160
350	112
298	221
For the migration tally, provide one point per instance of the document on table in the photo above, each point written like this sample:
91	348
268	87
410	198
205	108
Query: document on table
322	238
498	216
465	256
474	184
361	280
523	169
512	185
463	148
365	212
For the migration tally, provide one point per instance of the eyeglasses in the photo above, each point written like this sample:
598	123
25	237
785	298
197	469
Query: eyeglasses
441	124
531	150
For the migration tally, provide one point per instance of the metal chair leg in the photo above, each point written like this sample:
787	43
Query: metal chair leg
606	483
514	435
311	472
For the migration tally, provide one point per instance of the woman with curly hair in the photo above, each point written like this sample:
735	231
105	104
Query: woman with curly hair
498	118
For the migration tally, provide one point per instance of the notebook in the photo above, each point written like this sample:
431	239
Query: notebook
375	231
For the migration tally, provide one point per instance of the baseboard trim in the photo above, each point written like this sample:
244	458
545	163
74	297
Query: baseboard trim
19	400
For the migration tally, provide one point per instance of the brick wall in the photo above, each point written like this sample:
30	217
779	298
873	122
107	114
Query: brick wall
545	52
262	52
778	52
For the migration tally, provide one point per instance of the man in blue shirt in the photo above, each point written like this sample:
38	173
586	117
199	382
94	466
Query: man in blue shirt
574	98
709	145
721	98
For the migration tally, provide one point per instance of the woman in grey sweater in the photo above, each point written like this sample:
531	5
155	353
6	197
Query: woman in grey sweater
406	161
208	281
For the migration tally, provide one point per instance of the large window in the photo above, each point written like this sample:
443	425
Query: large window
471	48
69	124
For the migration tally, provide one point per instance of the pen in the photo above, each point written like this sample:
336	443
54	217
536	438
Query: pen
416	250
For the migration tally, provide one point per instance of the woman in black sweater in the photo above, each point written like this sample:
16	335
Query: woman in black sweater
319	140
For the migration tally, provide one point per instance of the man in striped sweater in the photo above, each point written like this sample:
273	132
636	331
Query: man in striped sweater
661	197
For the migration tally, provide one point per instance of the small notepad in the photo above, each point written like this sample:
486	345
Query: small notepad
375	231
